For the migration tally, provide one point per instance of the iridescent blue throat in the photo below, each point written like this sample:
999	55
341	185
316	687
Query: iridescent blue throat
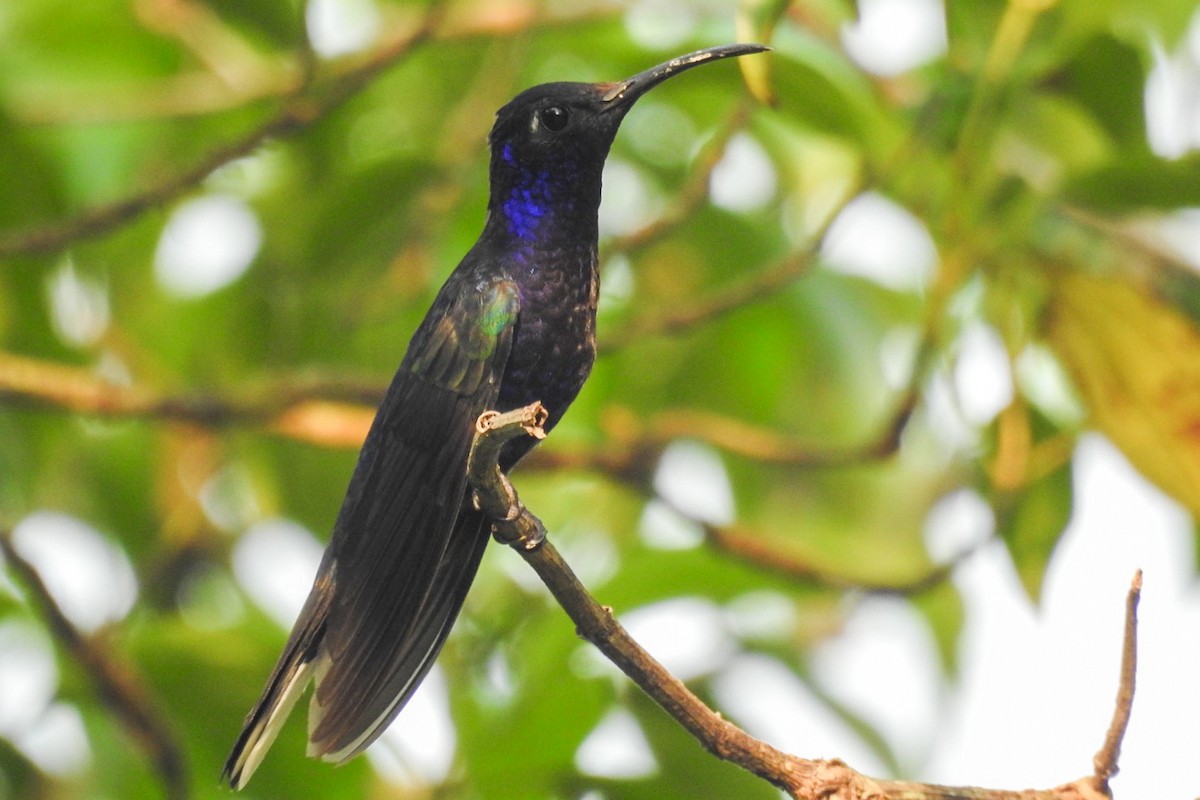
524	208
530	199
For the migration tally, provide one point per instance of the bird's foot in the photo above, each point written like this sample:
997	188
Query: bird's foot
492	492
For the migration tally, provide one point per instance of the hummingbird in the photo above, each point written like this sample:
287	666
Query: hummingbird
514	322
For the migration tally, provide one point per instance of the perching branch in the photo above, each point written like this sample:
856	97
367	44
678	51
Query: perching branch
803	779
116	684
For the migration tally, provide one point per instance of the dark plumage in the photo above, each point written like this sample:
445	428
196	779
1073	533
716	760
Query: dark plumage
514	323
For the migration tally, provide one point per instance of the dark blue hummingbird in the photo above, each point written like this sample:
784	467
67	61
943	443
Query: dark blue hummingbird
515	322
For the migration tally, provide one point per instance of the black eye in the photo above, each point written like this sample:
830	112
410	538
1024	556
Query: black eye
554	118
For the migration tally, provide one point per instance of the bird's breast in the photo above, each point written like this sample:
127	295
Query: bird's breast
554	345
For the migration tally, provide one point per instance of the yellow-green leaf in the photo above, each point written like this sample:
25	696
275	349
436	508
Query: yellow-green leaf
756	20
1136	362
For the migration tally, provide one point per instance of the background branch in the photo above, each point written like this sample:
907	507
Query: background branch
635	445
300	110
337	413
693	194
680	318
722	301
306	98
325	412
752	548
116	683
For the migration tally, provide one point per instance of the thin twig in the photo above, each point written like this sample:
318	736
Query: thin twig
693	194
728	298
800	778
754	549
1106	759
117	685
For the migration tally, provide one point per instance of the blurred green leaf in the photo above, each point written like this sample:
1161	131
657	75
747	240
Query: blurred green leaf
279	22
1107	76
1058	127
820	87
17	775
1031	523
1136	182
506	745
31	189
942	606
680	773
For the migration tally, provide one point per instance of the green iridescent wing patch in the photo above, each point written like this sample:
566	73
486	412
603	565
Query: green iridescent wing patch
467	338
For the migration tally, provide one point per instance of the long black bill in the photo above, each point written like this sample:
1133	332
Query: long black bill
623	93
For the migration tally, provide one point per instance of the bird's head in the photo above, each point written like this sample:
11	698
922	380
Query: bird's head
558	134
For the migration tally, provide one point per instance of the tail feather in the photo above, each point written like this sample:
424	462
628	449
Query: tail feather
316	711
301	660
317	748
265	722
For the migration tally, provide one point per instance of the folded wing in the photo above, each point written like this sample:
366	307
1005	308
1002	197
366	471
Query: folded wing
406	544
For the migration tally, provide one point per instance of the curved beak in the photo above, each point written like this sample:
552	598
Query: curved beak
623	94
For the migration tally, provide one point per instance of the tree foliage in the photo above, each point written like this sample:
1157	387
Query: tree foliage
172	409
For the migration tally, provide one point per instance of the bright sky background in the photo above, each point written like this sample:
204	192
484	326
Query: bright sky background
1037	684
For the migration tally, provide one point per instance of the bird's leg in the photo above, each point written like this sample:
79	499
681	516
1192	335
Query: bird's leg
492	491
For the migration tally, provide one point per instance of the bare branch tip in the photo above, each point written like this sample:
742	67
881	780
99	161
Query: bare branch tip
485	421
1105	763
530	419
536	416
